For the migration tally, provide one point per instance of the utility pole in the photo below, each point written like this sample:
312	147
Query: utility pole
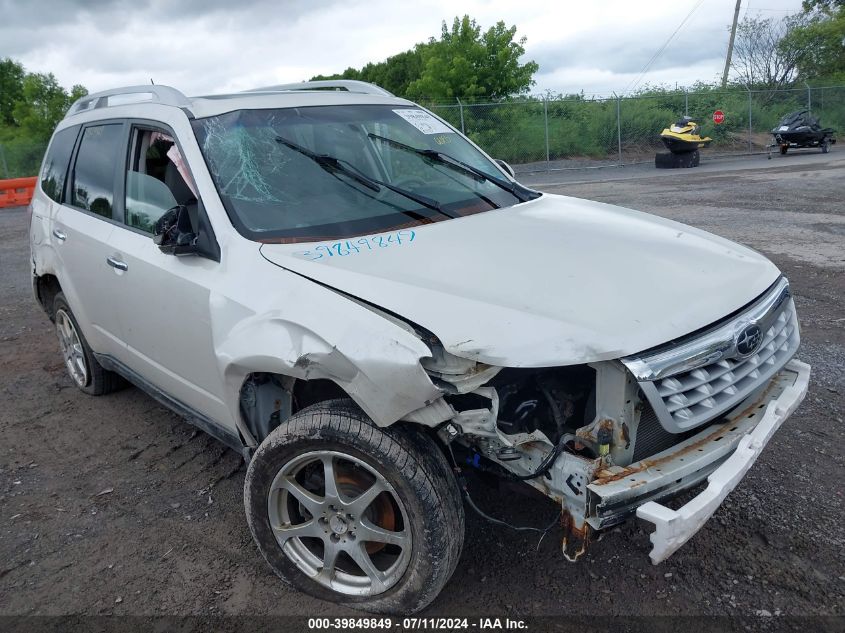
731	45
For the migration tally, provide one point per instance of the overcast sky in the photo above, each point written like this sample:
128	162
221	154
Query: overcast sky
209	46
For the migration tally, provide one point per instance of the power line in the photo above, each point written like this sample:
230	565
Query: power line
659	52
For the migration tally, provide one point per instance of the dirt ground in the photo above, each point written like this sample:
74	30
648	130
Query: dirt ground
115	506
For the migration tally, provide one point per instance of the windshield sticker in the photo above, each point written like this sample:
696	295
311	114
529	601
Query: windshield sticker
359	245
424	122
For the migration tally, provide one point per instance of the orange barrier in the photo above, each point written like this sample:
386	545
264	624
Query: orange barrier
16	192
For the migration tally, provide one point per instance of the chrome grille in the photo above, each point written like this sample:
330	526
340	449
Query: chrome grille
698	394
720	380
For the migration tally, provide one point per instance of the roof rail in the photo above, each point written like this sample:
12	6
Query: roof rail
164	95
348	85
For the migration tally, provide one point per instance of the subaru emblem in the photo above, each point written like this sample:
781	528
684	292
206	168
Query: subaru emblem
748	340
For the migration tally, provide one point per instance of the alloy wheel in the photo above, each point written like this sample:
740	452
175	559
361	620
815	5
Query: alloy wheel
340	522
72	349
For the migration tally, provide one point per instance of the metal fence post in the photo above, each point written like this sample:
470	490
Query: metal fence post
461	109
546	122
619	126
3	162
809	99
749	121
686	102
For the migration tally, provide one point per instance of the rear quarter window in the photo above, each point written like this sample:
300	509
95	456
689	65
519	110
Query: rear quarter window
54	173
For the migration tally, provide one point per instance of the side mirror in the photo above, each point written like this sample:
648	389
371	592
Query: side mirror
174	233
506	167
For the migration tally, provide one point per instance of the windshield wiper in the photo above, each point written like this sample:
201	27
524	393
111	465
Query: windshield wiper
333	164
523	194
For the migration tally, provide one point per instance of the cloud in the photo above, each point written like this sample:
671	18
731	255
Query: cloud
628	56
212	46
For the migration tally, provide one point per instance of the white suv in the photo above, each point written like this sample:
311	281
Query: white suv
342	287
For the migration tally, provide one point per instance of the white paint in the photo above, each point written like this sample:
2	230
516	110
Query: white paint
555	281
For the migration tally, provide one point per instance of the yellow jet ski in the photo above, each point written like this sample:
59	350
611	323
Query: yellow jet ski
684	136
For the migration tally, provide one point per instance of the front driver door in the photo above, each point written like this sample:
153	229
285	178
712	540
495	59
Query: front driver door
164	301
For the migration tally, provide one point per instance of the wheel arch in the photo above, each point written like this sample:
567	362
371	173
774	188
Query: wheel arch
367	359
46	288
267	399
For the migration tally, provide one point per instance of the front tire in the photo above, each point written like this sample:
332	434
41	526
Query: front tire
351	513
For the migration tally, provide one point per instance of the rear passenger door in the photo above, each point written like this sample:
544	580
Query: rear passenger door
81	233
53	184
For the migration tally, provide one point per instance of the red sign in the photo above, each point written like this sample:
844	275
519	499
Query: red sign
718	117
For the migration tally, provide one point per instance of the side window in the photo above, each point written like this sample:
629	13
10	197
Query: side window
93	183
56	163
157	179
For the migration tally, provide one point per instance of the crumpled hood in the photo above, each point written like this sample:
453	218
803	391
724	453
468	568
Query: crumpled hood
554	281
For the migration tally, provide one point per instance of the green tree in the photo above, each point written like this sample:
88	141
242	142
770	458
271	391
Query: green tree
397	73
349	73
11	89
394	74
822	5
468	64
464	63
42	105
822	40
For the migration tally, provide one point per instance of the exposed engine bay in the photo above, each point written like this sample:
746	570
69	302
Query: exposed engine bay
555	401
536	426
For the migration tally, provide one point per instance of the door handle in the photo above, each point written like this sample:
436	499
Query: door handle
59	235
116	263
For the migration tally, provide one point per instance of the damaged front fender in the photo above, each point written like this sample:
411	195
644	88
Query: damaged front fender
376	362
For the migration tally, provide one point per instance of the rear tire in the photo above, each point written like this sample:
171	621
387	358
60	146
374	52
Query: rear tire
825	147
315	537
80	363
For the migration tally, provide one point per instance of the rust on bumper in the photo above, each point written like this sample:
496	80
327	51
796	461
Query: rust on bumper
722	455
607	476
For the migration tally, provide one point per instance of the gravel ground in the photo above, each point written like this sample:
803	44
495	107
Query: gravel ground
116	506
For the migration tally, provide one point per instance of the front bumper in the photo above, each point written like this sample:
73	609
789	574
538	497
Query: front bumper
722	455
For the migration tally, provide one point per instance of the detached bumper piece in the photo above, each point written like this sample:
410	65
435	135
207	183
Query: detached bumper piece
722	454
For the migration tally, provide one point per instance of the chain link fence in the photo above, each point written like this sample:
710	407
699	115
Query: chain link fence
19	159
539	134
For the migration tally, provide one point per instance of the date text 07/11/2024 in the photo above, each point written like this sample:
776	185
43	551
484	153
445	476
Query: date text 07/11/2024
417	624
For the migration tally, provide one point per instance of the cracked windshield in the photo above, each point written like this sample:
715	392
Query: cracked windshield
322	172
